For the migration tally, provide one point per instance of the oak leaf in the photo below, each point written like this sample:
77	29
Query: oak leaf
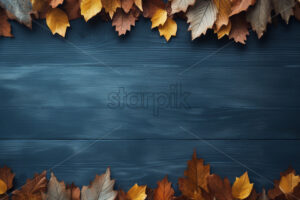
289	182
242	187
220	189
5	28
57	21
259	16
239	29
239	6
72	8
111	6
201	17
195	178
123	21
151	6
55	3
159	18
126	5
284	8
100	188
181	5
56	190
33	188
169	29
137	192
90	8
224	10
164	190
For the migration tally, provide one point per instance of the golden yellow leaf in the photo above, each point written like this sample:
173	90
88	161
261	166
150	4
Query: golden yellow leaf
224	10
289	182
111	6
137	192
224	30
138	3
242	187
3	187
169	29
90	8
159	18
57	20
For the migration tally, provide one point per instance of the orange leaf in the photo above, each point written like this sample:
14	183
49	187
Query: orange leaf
164	191
5	28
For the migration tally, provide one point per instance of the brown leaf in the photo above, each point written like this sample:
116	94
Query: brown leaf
72	8
6	174
253	195
32	189
56	190
219	188
55	3
284	8
74	191
5	28
297	11
123	21
111	6
240	5
164	190
121	195
224	10
195	178
127	5
239	28
151	6
149	193
263	195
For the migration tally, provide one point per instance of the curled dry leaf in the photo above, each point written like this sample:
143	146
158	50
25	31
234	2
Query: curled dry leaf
123	21
239	29
57	21
137	192
169	29
5	28
90	8
111	6
242	187
181	5
164	190
159	18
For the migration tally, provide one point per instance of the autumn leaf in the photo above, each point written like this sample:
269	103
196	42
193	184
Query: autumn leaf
181	5
224	10
74	192
151	6
195	178
55	3
100	188
224	30
239	6
90	8
164	190
259	16
111	6
33	189
284	8
201	17
3	187
169	29
263	195
123	21
219	188
5	28
7	176
139	4
57	21
56	190
126	5
242	187
137	192
289	182
159	18
72	8
239	29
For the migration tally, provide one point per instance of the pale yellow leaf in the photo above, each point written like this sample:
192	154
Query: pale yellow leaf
159	18
288	183
224	10
58	22
242	187
169	29
90	8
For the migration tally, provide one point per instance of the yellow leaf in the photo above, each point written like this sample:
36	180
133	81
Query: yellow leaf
169	29
3	187
111	6
159	18
90	8
137	192
138	3
224	30
57	21
242	187
288	183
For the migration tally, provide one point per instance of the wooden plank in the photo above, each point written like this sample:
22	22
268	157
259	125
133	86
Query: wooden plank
146	161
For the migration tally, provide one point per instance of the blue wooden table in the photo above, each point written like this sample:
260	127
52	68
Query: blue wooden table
63	103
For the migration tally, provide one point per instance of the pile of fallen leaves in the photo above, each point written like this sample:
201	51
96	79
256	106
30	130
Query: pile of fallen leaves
197	184
233	18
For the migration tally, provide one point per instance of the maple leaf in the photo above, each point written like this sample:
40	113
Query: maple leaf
242	187
239	28
137	192
123	21
201	17
56	190
90	8
55	3
259	16
151	6
111	6
195	178
159	18
284	8
5	28
57	21
127	5
181	5
224	30
289	182
19	9
239	6
72	8
100	188
32	189
164	190
219	188
169	29
224	10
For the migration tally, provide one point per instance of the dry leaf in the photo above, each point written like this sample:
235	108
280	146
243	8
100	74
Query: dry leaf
111	6
100	188
55	3
139	4
151	6
201	17
74	191
3	187
72	8
169	29
181	5
289	182
126	5
90	8
137	192
7	176
297	11
263	195
164	190
259	16
195	178
123	21
239	6
219	188
224	30
224	10
5	28
56	190
159	18
57	21
242	187
33	188
239	28
284	8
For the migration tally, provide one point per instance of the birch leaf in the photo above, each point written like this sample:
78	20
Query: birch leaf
181	5
224	10
57	21
90	8
159	18
169	29
284	8
201	17
111	6
242	187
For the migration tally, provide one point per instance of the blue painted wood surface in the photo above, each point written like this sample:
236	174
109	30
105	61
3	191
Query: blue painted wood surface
55	97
